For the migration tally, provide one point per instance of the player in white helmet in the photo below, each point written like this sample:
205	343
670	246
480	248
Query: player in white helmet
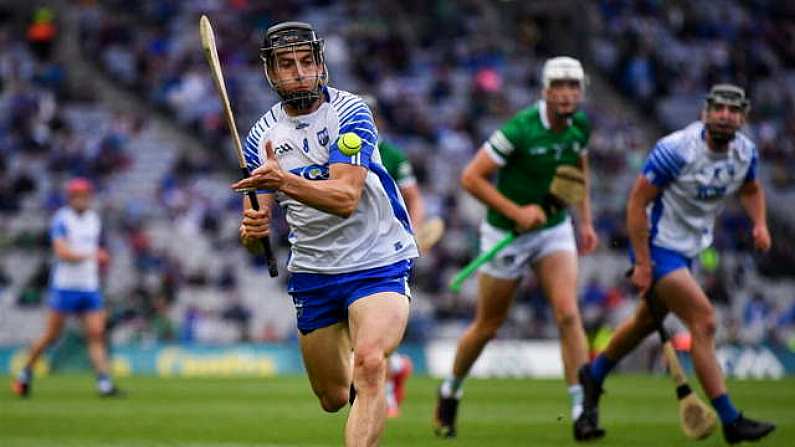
314	153
525	153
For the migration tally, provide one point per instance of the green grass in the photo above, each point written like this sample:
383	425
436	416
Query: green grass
637	411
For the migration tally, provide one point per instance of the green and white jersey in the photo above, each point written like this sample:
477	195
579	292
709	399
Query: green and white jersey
396	164
528	152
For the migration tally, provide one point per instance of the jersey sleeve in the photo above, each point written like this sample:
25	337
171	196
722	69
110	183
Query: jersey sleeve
253	142
354	116
750	176
58	227
503	141
663	165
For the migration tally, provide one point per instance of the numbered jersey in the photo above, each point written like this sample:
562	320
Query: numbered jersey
81	232
528	152
378	233
695	182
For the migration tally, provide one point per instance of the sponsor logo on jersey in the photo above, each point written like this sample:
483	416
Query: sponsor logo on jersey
282	149
323	137
301	125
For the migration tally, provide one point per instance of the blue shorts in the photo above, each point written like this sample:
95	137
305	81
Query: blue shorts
322	300
75	301
664	261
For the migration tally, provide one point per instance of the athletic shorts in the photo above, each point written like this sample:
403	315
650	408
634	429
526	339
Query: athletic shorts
527	249
75	301
664	261
322	300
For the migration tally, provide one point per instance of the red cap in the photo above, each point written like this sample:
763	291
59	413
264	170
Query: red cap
78	185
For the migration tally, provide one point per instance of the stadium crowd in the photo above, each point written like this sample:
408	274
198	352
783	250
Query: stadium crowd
444	80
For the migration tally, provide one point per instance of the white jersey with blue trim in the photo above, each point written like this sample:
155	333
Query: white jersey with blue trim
378	233
695	182
81	232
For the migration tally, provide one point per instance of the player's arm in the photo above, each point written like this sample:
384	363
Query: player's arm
413	198
61	247
476	179
255	224
588	237
339	195
642	194
752	198
65	253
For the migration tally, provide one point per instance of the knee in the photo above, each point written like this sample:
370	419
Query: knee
567	318
369	364
333	401
704	325
95	335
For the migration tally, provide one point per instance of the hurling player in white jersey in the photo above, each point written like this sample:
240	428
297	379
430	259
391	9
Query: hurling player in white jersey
351	240
74	285
687	178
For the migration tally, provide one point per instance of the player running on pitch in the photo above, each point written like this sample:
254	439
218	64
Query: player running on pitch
350	235
524	154
671	211
74	285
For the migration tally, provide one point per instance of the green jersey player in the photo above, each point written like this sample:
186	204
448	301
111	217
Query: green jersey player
524	155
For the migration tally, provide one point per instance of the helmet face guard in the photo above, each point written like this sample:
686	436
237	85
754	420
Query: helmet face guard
729	95
284	53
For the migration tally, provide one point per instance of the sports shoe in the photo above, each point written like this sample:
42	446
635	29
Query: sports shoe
20	388
112	392
744	429
586	427
444	416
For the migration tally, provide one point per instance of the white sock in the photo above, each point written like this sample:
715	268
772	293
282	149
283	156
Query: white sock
576	396
451	387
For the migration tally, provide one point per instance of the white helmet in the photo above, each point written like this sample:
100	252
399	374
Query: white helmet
563	67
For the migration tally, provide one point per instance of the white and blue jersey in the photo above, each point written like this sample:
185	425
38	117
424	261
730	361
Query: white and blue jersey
379	232
694	183
335	261
74	286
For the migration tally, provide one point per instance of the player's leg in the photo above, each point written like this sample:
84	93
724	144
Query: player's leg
327	358
377	323
683	296
94	324
494	300
557	273
55	323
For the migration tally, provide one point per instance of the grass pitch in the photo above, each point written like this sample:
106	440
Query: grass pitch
637	411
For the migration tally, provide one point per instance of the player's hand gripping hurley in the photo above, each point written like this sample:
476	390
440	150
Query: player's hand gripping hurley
567	188
208	45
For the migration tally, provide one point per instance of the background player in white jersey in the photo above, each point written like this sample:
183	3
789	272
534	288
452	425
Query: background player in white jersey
671	211
74	285
350	235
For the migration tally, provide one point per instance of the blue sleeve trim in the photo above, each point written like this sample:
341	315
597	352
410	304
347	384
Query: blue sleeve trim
58	230
663	165
750	176
360	123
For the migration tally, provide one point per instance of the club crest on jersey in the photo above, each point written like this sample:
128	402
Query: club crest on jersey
323	137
